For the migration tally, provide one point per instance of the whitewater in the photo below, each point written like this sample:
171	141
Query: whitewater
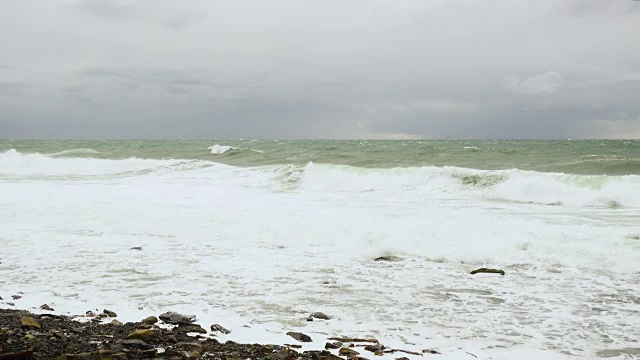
258	248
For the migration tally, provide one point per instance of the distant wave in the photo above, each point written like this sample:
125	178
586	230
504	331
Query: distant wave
222	149
35	165
75	152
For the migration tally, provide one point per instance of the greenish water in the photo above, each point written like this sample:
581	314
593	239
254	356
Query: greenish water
609	157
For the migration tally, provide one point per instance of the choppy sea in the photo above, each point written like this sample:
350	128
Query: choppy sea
256	235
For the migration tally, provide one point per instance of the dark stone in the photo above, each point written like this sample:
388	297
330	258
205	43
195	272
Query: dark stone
299	336
220	329
109	313
487	271
46	307
374	348
388	258
177	319
347	352
149	320
138	248
319	315
191	328
333	345
136	344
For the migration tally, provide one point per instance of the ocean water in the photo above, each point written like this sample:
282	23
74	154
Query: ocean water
262	233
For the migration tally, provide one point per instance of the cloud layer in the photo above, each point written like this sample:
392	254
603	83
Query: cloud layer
319	69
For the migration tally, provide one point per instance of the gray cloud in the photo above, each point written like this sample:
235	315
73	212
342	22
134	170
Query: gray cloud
320	69
12	88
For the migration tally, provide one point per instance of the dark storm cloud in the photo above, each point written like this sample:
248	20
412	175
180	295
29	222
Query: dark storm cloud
320	69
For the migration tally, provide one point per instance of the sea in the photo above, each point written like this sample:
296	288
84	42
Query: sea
255	235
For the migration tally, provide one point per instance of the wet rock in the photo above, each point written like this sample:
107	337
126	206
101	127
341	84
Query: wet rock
144	335
29	322
331	356
149	320
333	345
109	313
388	258
374	348
353	340
46	307
299	336
430	351
319	315
191	328
136	344
487	271
16	297
347	352
177	319
220	329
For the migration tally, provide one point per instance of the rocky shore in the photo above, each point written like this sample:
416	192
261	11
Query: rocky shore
25	335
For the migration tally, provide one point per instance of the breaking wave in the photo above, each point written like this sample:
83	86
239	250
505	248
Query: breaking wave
506	185
83	151
222	149
426	183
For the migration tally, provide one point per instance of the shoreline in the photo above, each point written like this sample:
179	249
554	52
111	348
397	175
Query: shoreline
100	335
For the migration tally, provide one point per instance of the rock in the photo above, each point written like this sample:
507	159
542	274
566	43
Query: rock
138	248
374	348
16	297
220	329
144	335
430	351
299	336
191	328
136	344
347	352
30	336
46	307
487	271
330	356
388	258
29	322
320	315
109	313
26	354
348	339
177	319
149	320
116	323
333	345
402	358
295	346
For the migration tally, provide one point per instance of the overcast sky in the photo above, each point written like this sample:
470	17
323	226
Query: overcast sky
319	69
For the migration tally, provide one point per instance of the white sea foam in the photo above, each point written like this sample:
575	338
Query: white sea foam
265	246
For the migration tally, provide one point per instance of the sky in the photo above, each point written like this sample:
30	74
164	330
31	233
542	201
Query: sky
304	69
